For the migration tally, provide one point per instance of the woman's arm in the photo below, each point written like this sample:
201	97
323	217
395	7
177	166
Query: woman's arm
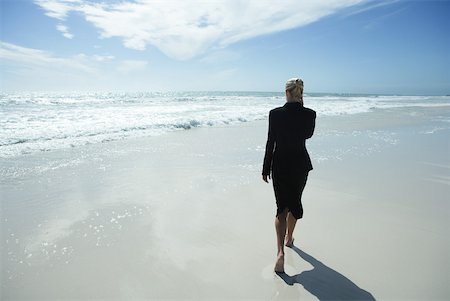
309	130
269	148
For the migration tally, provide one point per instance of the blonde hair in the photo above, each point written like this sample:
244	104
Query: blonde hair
295	87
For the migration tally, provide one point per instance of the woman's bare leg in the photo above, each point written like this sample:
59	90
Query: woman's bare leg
280	227
291	221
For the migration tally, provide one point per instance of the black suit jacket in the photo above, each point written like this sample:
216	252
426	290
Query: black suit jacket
289	127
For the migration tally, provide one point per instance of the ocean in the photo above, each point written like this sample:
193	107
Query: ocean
39	122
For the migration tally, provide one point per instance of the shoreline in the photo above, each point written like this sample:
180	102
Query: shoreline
186	215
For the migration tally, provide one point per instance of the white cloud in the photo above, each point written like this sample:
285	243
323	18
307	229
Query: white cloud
64	30
29	69
30	57
184	29
128	66
58	8
103	58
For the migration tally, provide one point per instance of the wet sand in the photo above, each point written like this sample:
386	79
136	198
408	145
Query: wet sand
186	216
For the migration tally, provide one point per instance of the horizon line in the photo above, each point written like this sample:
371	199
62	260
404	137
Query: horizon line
213	91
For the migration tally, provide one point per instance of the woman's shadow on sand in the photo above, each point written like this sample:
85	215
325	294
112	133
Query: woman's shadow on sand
324	282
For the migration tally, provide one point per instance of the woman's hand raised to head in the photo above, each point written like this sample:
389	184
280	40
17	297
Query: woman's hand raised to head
265	177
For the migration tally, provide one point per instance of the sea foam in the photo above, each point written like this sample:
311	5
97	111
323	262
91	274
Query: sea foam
33	122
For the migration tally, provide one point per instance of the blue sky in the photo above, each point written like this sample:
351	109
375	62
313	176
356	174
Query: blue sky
343	46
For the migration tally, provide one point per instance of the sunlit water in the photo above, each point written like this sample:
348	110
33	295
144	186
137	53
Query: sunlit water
35	122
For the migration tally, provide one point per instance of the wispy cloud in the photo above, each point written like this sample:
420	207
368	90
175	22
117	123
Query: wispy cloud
103	58
382	18
30	57
184	29
58	8
35	67
64	30
369	5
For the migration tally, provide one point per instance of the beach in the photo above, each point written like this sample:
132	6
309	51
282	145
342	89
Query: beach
186	215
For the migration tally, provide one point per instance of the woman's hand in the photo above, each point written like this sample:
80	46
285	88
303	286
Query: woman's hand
264	177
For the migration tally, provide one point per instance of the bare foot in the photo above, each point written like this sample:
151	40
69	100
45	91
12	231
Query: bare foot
289	242
279	265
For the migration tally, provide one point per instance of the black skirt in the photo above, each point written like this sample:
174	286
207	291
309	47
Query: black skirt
288	192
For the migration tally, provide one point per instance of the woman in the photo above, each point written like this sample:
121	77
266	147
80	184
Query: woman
286	156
